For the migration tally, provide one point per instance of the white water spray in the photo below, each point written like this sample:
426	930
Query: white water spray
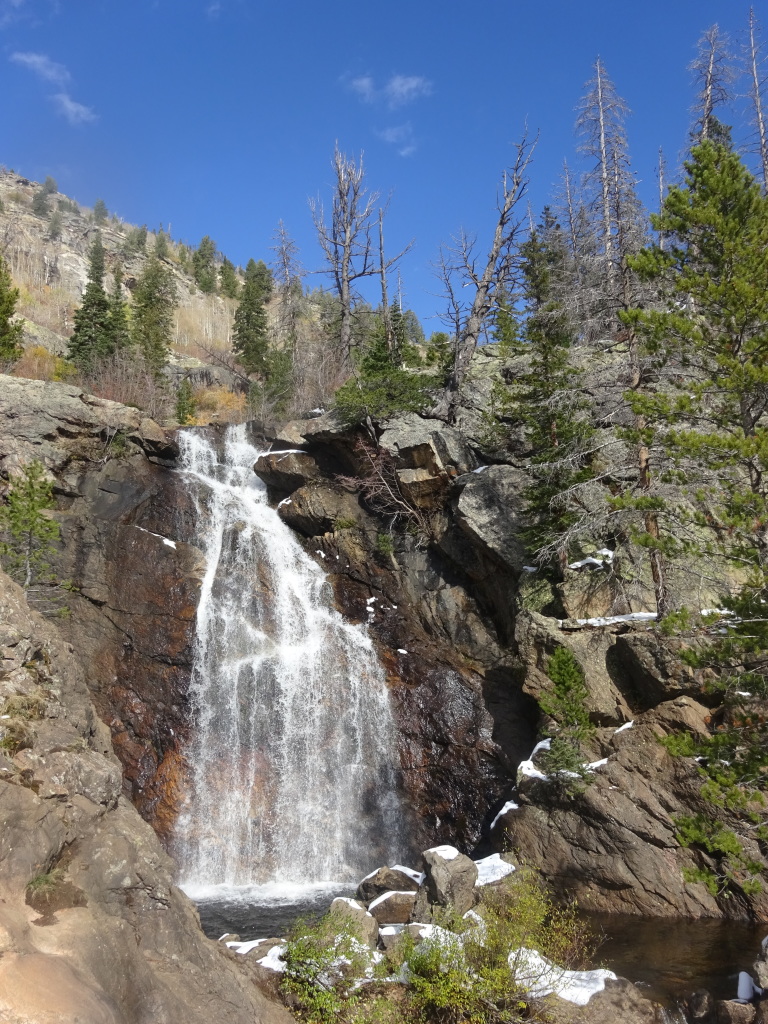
293	751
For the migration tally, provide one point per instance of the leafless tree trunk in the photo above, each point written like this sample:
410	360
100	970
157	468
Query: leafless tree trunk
755	59
288	273
660	170
346	241
496	273
713	74
387	319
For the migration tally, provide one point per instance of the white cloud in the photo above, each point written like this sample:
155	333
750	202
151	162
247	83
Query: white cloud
9	10
43	67
75	113
400	135
213	10
364	88
402	89
399	90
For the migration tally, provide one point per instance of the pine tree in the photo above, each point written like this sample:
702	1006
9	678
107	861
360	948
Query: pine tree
549	397
713	326
162	249
251	324
10	330
261	277
91	337
100	212
204	265
40	204
54	226
29	534
119	323
186	407
154	303
228	282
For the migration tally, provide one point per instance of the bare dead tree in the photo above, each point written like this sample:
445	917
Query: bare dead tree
756	59
600	124
288	274
459	268
713	75
346	241
660	172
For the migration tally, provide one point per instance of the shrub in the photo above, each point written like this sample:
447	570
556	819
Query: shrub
566	703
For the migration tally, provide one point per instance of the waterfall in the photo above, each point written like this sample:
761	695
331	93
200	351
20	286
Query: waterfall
293	748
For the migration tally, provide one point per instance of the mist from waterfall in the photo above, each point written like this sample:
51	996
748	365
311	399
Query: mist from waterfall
293	750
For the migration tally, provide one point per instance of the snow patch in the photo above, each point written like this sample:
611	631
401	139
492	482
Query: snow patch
446	852
610	620
623	728
272	961
401	650
510	805
492	869
385	896
540	977
165	540
596	764
417	876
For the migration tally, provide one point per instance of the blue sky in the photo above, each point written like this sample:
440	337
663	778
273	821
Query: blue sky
219	117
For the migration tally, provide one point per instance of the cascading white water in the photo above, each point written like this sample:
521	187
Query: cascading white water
293	749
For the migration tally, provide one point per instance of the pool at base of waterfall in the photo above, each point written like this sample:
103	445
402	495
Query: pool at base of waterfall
262	911
667	958
671	958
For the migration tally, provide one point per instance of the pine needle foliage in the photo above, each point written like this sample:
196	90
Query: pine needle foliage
28	534
10	330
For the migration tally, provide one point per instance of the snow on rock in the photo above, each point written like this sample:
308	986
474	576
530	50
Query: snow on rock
540	977
623	728
446	852
400	650
417	876
492	869
510	805
386	895
588	563
527	768
596	764
610	620
165	540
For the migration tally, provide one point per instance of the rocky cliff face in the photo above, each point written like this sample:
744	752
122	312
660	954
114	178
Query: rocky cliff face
439	584
91	927
451	581
123	522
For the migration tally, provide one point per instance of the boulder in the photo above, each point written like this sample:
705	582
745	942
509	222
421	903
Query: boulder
450	878
364	926
315	509
286	471
385	880
489	510
393	907
620	1002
